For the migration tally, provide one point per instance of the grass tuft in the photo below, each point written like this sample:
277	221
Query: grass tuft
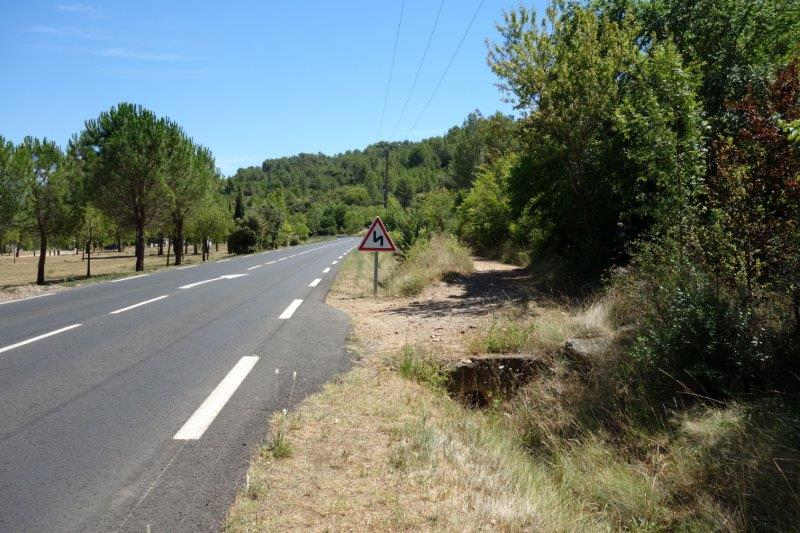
421	367
441	257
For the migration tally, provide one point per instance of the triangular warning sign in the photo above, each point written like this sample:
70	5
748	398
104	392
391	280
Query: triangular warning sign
377	238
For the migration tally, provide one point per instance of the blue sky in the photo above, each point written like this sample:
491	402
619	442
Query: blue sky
248	79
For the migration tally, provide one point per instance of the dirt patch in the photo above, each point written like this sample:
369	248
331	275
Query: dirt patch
444	315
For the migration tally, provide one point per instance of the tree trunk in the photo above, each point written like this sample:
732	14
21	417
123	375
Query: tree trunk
178	241
216	246
169	247
160	245
195	247
42	258
89	256
139	246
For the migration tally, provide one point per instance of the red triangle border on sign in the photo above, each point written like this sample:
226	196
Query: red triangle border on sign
363	246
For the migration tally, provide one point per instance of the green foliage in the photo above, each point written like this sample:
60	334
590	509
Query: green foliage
51	197
735	44
126	153
242	241
611	134
421	367
11	184
485	214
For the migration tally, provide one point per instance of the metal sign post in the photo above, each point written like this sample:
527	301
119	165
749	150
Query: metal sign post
375	276
376	240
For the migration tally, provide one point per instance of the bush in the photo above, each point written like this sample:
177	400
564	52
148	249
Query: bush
242	241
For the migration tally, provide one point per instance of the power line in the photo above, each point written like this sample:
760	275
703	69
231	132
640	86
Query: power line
391	70
419	68
449	64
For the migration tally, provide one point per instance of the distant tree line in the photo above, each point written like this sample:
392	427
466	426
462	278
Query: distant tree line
127	176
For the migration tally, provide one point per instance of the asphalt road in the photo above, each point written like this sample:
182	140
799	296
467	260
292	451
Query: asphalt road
139	402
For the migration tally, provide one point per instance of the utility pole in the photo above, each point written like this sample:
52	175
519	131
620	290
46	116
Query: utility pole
386	178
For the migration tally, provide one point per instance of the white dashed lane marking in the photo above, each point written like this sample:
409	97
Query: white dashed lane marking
134	306
38	338
198	423
289	311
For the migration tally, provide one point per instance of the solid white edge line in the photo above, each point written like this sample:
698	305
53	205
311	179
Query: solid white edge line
134	306
26	299
224	260
282	258
289	311
255	267
315	282
129	277
328	269
202	418
38	338
270	262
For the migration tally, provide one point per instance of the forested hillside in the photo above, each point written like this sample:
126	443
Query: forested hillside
341	194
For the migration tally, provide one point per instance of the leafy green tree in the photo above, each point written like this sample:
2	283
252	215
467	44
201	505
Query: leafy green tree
94	227
274	214
10	184
126	155
238	211
404	191
51	194
485	213
190	170
298	222
469	151
611	134
211	223
735	44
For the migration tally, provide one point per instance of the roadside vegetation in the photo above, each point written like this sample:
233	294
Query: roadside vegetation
649	185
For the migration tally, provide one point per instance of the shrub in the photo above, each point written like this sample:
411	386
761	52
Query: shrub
242	241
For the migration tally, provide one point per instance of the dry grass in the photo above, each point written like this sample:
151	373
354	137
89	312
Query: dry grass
70	266
17	277
429	261
383	448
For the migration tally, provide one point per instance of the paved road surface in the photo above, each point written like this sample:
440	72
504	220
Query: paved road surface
139	402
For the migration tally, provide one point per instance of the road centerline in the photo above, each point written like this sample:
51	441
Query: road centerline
39	337
134	306
201	419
